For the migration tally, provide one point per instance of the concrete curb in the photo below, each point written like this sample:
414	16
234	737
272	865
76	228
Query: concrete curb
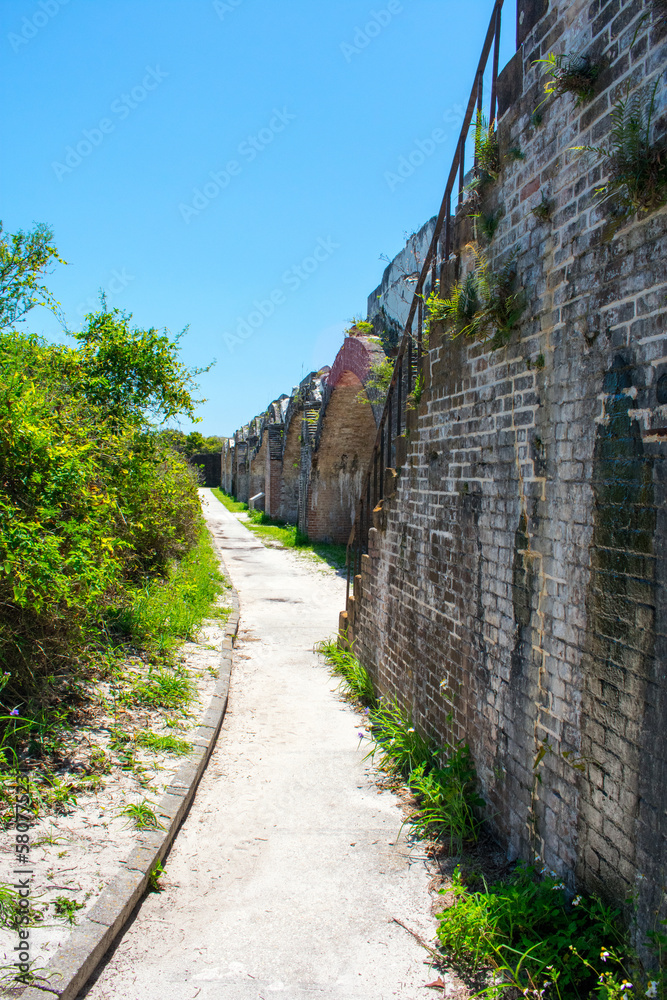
75	962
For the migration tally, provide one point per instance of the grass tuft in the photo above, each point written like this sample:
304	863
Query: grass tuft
355	680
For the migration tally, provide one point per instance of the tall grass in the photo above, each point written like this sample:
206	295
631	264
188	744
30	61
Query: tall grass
165	612
355	680
443	781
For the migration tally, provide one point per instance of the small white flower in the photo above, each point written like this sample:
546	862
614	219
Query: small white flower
652	990
411	730
604	955
576	900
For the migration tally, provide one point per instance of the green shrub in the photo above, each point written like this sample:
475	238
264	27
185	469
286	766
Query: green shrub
91	501
525	927
449	806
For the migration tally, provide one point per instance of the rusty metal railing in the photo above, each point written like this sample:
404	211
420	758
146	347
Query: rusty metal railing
409	362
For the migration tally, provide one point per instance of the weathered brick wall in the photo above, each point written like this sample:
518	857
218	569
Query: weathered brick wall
228	465
339	464
289	508
258	462
515	597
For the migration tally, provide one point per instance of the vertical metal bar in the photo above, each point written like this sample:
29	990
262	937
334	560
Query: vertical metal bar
409	366
447	229
494	72
461	168
382	461
420	320
369	509
480	77
375	476
389	423
348	560
399	388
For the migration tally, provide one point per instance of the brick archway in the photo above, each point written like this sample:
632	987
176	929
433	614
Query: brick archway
341	460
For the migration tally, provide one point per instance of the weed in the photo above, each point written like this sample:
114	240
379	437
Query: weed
544	210
414	398
99	762
488	222
161	689
355	679
377	384
163	744
449	806
514	154
485	305
570	75
154	876
401	747
541	942
536	118
636	167
142	815
165	612
66	908
487	153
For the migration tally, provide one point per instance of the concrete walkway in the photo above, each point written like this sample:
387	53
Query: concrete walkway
285	878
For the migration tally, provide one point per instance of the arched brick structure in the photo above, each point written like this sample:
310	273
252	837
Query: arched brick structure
339	464
289	506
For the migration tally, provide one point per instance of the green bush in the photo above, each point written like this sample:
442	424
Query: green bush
541	942
92	502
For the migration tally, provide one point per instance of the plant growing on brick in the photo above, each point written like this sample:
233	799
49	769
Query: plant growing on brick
570	75
487	223
485	305
635	165
487	153
544	210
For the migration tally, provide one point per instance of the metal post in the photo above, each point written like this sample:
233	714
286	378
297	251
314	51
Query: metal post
494	72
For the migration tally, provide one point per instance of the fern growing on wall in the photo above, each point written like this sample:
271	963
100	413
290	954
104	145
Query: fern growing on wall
636	166
484	305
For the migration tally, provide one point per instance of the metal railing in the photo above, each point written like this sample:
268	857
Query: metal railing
409	361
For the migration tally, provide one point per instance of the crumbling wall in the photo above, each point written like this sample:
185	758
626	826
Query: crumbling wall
513	594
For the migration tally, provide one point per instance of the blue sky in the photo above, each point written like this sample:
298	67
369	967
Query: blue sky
231	164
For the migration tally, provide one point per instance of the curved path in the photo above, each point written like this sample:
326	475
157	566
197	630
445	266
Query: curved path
285	878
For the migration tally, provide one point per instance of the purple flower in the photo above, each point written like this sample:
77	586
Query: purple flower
361	735
14	711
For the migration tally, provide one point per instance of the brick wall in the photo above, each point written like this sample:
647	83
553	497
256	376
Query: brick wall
339	464
515	595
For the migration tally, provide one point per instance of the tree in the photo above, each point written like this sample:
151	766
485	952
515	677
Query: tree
135	374
24	260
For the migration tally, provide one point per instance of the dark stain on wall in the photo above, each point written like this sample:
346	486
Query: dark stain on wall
621	639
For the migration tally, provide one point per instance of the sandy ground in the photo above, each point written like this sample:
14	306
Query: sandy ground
286	878
74	856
